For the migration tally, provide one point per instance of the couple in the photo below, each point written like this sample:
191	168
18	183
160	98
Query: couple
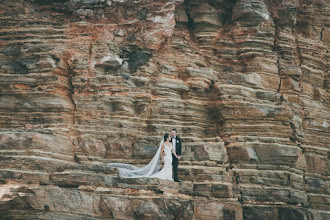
169	152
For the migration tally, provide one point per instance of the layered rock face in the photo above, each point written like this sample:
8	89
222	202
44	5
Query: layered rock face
87	82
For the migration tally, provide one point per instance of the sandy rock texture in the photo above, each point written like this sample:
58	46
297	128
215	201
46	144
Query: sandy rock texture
87	82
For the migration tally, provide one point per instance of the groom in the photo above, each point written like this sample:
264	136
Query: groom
176	142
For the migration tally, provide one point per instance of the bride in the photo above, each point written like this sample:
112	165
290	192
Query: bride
152	169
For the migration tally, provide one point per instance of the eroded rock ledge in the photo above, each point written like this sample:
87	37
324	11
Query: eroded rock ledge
87	82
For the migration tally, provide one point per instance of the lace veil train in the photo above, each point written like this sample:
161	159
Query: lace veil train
130	171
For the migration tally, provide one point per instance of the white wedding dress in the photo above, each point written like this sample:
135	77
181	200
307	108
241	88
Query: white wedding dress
166	172
152	169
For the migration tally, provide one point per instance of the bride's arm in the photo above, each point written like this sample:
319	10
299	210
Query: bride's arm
161	152
174	152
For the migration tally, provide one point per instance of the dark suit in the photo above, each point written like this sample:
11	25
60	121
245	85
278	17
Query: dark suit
175	161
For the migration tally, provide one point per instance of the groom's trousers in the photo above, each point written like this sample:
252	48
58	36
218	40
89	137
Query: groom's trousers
175	164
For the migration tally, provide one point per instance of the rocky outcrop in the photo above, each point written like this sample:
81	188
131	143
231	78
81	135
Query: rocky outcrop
87	82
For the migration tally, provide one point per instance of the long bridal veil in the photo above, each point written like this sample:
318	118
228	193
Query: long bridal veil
130	171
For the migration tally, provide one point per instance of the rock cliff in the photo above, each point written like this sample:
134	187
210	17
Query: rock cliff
87	82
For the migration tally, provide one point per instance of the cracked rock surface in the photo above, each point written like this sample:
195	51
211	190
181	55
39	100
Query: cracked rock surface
88	82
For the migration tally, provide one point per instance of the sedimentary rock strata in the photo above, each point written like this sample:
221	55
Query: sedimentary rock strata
87	82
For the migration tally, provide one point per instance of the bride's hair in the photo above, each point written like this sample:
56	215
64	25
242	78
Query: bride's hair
166	136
